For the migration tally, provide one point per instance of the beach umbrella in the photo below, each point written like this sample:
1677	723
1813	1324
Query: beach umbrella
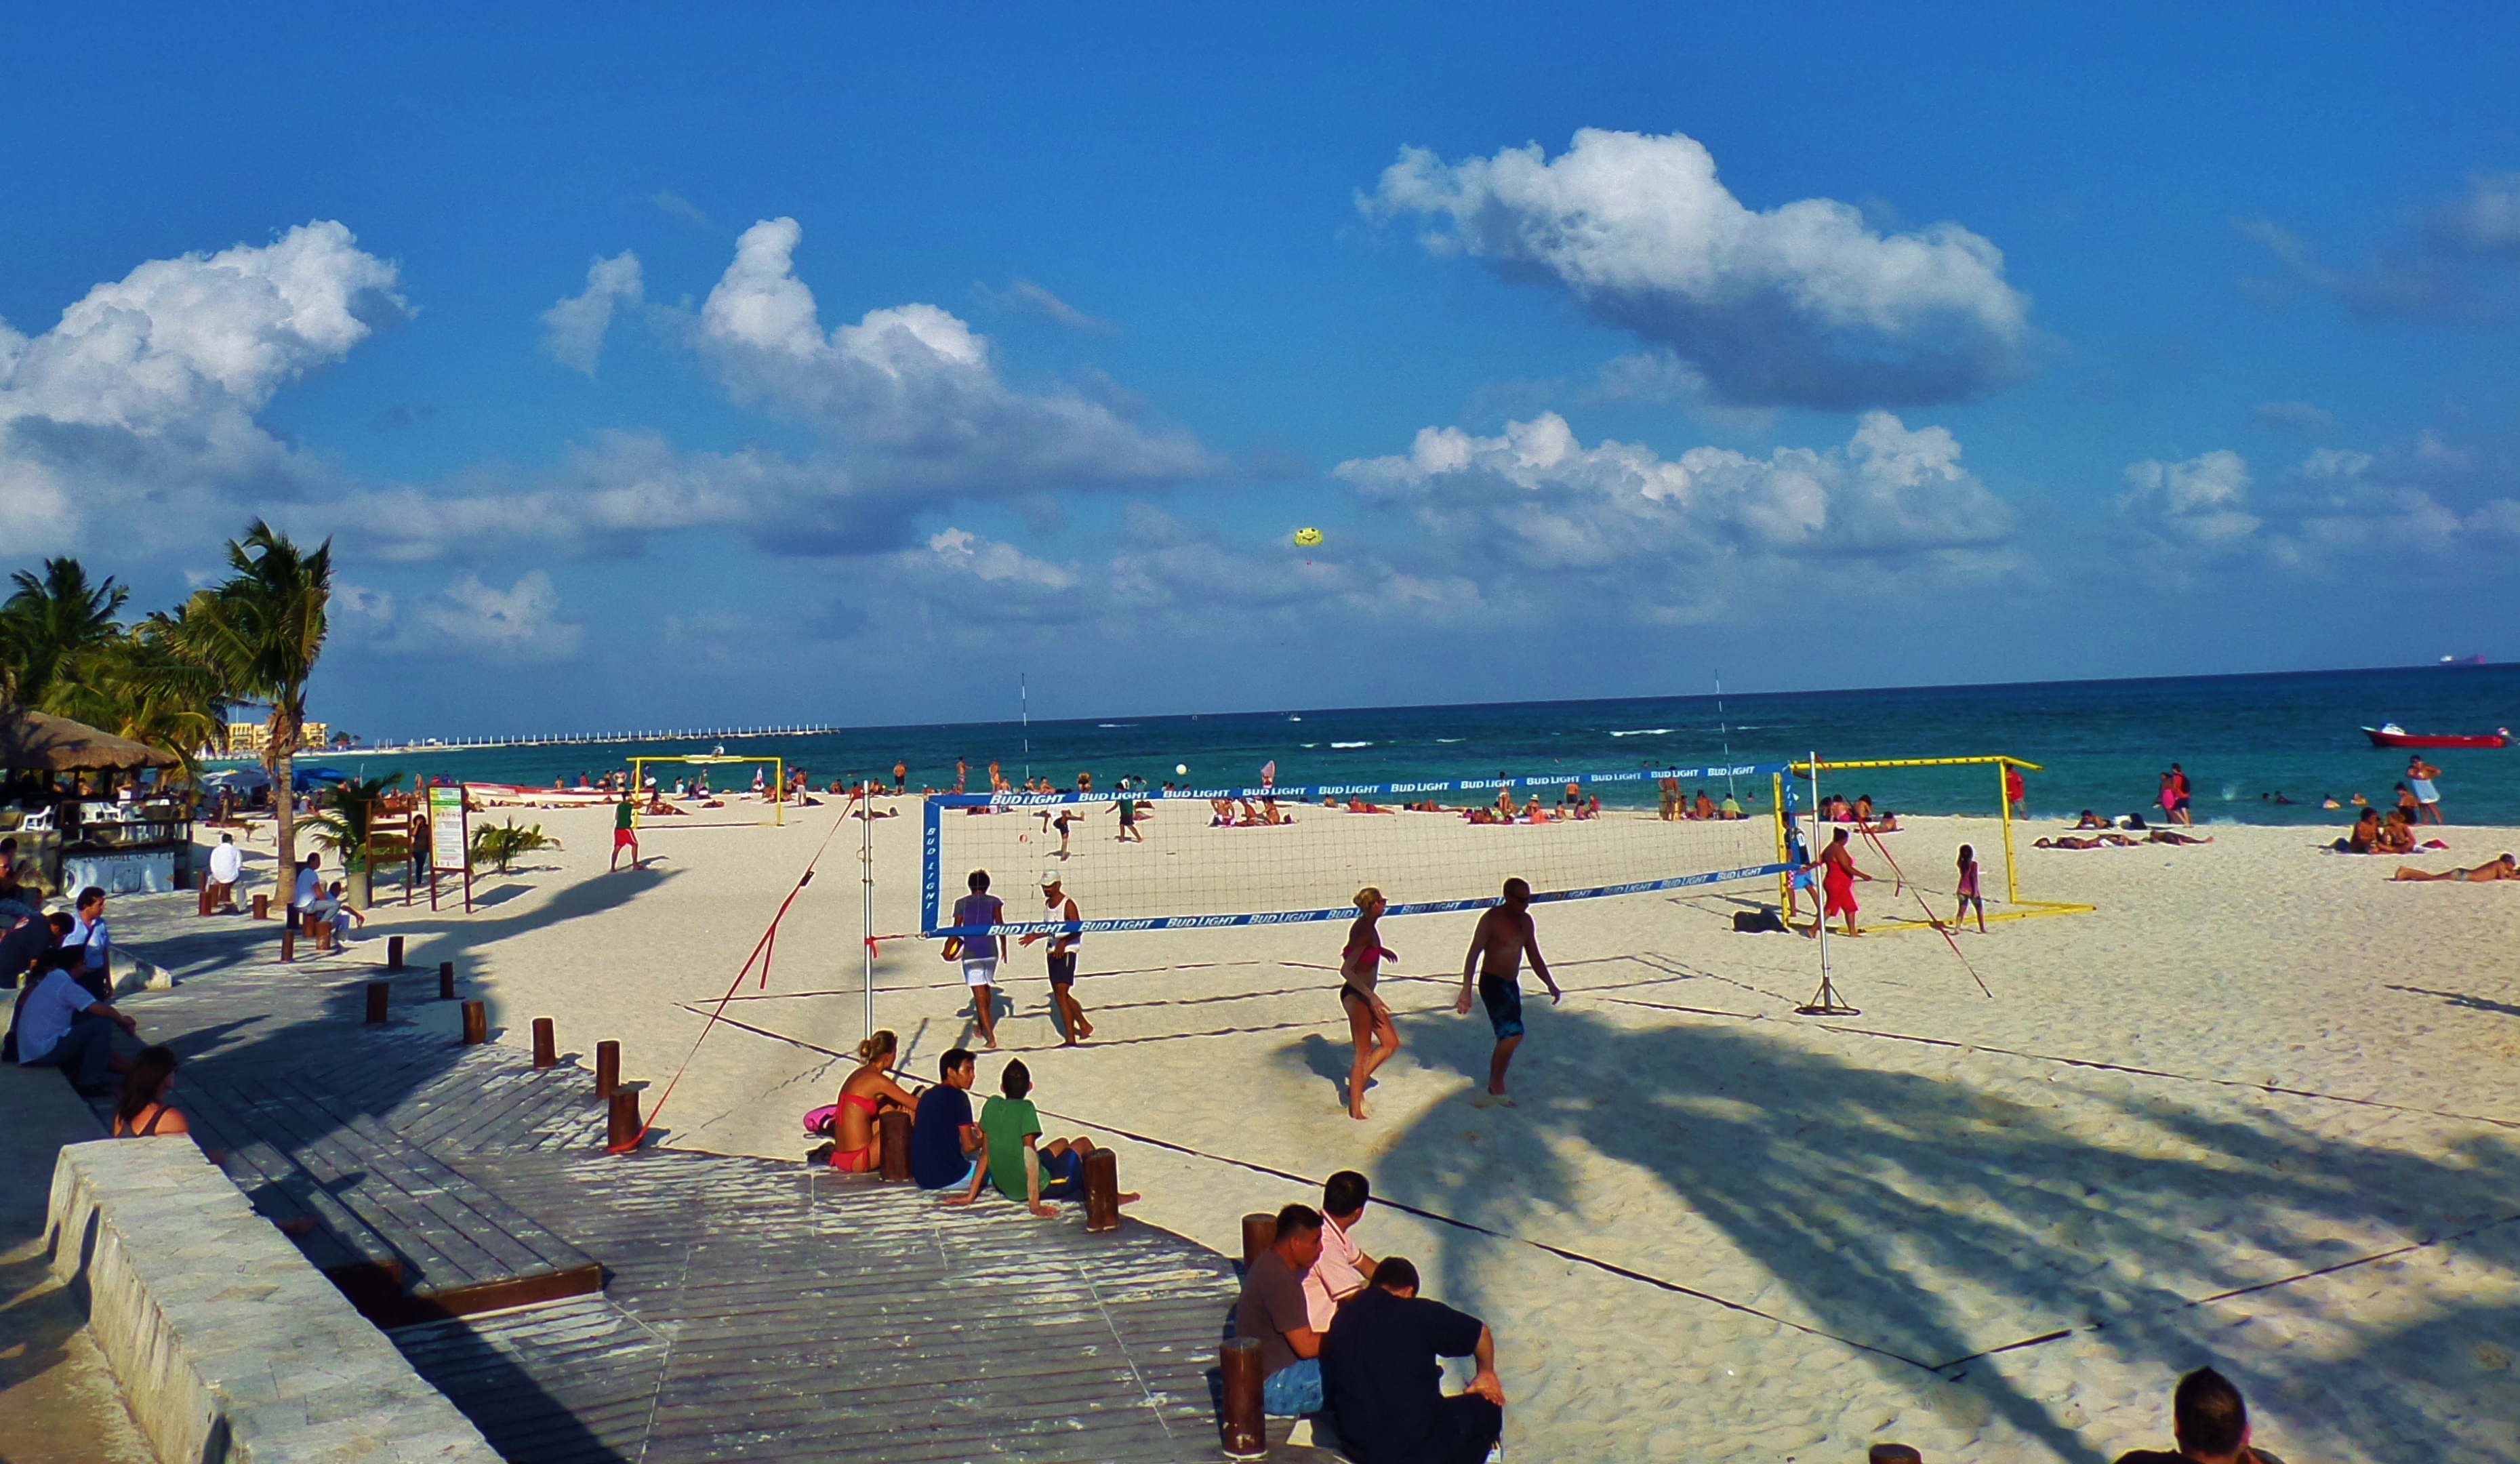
39	742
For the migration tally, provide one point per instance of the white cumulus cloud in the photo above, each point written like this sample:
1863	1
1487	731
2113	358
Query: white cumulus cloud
466	617
1801	305
137	408
2202	501
910	395
2422	503
520	623
1535	493
573	328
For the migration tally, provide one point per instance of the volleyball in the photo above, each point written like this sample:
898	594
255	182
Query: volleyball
1180	770
1307	537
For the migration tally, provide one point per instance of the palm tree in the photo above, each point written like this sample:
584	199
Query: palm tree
143	685
262	633
49	629
346	828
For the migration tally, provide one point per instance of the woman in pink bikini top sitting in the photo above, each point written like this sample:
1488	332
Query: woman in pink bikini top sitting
857	1143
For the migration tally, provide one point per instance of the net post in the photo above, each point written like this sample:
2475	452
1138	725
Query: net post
779	795
2003	803
1785	879
866	868
931	841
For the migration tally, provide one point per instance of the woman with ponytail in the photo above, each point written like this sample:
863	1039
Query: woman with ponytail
857	1140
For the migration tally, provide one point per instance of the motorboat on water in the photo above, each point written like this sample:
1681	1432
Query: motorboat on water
2391	735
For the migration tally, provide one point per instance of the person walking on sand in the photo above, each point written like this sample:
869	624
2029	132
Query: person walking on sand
1503	935
1369	1019
2181	794
1062	962
980	954
2015	792
625	833
2420	775
900	777
1969	890
1837	877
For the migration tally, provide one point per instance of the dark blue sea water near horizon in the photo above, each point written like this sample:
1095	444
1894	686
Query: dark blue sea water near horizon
2103	744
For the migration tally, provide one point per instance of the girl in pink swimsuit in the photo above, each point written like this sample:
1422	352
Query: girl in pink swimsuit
1369	1019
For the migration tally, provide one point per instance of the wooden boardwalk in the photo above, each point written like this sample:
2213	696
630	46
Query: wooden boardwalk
671	1305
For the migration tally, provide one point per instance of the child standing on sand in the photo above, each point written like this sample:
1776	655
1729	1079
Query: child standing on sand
1969	890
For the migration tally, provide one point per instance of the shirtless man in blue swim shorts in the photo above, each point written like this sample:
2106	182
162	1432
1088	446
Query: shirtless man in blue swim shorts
1504	934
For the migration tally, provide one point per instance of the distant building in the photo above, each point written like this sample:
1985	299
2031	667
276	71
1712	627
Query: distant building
248	738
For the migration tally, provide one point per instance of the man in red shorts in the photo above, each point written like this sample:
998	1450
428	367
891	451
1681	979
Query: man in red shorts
625	833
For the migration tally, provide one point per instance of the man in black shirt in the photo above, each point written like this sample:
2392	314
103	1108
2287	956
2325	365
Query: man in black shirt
2211	1423
1386	1389
943	1139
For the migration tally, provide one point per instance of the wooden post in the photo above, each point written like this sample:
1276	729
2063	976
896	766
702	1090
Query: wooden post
1246	1428
446	981
262	907
377	994
477	1024
393	954
289	941
607	1068
621	1123
1259	1233
894	1125
1103	1190
546	1043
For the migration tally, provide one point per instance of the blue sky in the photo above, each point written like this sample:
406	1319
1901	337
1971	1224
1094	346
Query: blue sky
1840	346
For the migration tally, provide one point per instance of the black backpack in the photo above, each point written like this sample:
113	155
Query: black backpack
1758	921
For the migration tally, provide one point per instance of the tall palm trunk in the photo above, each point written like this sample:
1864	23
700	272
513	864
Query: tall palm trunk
277	759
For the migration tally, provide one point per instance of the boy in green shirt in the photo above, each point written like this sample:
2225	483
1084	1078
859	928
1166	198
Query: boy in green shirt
1024	1170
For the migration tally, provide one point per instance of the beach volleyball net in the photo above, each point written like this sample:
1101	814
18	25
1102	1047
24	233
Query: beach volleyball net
1265	856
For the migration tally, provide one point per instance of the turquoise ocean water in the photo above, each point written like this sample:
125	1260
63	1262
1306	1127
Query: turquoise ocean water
2103	744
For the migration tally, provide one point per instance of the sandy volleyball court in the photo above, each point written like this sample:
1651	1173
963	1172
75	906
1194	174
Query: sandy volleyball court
2262	1108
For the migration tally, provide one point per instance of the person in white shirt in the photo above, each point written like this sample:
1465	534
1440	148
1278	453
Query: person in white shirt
332	914
61	1025
309	886
227	866
1342	1270
95	967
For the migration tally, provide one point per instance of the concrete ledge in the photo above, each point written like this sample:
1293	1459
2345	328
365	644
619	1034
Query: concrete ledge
132	974
230	1348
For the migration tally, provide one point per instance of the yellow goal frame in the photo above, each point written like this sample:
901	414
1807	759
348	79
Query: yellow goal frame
2026	909
778	780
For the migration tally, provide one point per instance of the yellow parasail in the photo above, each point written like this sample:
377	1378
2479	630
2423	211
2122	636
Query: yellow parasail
1307	538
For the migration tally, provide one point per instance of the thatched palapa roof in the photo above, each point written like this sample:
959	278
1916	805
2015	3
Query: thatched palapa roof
40	742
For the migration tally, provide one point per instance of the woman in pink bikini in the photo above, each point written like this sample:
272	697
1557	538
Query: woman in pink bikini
857	1141
1369	1019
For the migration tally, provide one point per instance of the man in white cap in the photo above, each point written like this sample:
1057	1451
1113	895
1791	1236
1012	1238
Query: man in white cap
1057	906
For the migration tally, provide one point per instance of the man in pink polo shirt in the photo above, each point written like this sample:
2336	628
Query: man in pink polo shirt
1342	1270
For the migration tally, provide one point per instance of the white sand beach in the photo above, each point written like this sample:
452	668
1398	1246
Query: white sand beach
2259	1108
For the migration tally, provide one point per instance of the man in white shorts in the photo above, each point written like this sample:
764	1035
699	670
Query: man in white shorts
981	952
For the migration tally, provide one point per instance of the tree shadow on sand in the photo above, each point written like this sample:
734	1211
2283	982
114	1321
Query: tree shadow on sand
1880	1205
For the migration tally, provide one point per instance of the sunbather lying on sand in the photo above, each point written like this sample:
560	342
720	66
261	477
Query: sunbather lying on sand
2504	868
2068	841
2172	836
